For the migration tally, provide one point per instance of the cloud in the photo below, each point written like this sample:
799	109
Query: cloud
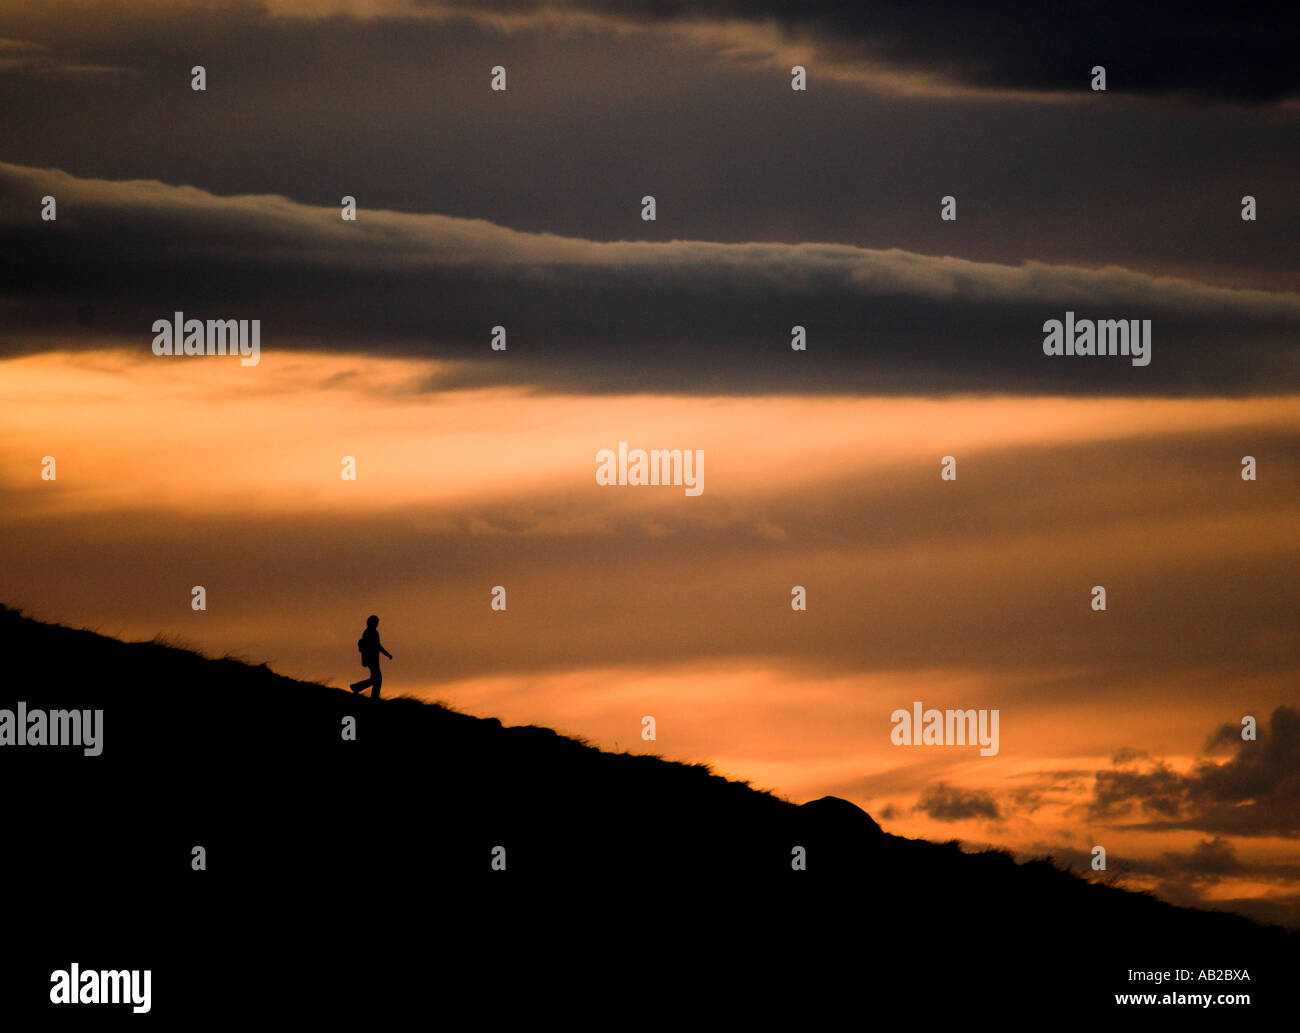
1210	860
1160	790
26	56
679	316
1254	793
602	110
1209	54
1002	48
944	802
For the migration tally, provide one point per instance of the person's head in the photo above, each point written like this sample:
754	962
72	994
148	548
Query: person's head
372	621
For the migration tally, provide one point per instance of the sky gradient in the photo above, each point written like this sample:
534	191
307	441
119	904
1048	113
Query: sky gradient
775	208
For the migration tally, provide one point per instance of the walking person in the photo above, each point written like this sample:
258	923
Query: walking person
371	647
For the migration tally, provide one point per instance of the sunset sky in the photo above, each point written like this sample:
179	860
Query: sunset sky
775	208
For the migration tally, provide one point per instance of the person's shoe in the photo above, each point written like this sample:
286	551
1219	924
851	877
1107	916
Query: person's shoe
354	688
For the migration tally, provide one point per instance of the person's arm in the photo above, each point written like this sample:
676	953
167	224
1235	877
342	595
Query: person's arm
384	651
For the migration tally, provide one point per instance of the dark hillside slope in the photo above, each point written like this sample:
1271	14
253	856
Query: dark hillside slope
358	874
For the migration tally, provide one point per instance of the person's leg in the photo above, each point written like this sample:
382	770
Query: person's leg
357	686
376	679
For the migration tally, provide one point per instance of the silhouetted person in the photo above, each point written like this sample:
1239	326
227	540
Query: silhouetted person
371	647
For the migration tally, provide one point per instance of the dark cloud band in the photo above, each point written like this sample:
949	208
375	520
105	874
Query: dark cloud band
1211	51
680	316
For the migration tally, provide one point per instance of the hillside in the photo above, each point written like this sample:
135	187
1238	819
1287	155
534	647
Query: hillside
363	867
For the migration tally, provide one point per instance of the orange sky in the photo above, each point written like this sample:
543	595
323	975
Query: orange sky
629	601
